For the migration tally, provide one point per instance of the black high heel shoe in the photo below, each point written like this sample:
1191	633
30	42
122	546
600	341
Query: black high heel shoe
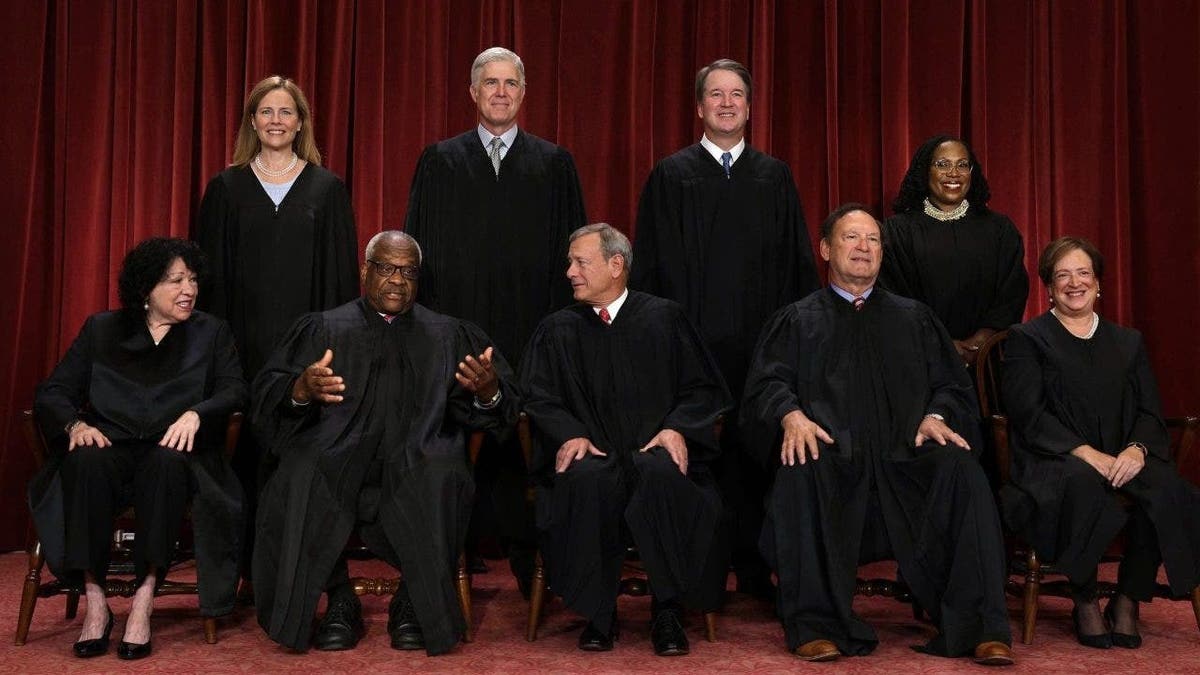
1098	641
131	652
1123	640
86	649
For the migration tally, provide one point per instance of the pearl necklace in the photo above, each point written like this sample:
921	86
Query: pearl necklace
262	166
938	214
1090	334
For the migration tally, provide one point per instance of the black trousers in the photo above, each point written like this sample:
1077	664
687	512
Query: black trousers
99	483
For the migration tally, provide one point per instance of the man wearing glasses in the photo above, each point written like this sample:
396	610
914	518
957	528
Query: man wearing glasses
363	400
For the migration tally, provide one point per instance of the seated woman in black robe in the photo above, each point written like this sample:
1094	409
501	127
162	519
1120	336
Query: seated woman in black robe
135	414
945	248
1087	427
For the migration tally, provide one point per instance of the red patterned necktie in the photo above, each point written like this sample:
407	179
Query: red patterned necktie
858	303
605	316
388	317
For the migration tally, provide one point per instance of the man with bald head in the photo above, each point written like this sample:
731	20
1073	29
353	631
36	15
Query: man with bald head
857	401
367	407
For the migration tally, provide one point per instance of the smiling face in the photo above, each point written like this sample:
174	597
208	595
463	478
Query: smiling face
276	120
948	186
174	297
594	280
724	107
498	94
395	293
1073	285
854	251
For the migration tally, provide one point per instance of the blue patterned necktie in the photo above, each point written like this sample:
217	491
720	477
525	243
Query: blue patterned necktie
727	161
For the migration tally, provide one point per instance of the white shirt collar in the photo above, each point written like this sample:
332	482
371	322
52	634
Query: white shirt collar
614	306
508	137
715	150
847	295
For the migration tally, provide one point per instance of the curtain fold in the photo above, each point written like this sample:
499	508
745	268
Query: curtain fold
1083	112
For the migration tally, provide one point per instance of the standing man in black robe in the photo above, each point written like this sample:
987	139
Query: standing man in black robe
860	392
623	397
720	231
365	396
520	194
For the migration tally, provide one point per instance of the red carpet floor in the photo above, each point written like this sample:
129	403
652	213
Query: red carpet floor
749	640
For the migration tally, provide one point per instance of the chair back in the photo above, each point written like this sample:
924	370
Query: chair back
988	374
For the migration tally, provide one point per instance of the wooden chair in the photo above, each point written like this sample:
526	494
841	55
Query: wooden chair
1024	561
635	585
388	585
121	563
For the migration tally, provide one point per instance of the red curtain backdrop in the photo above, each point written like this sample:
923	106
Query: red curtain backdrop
1083	112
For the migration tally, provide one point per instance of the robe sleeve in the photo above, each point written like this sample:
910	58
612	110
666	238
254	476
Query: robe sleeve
897	274
803	278
1012	281
771	387
215	233
339	281
701	393
657	219
951	394
1025	401
62	397
461	406
543	389
229	387
1148	426
424	204
568	215
275	420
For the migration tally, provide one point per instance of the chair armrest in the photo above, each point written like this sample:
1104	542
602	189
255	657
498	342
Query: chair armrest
999	424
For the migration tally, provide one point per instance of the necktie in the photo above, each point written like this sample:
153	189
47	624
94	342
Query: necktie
605	316
497	143
388	317
727	161
858	303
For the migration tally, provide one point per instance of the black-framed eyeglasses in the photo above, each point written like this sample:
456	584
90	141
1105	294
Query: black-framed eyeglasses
386	270
944	165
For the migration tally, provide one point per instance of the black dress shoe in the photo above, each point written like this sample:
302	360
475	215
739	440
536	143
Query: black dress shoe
342	625
1098	641
86	649
1123	640
403	627
131	652
592	639
666	633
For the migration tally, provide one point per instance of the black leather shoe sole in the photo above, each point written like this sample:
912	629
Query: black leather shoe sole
128	651
337	640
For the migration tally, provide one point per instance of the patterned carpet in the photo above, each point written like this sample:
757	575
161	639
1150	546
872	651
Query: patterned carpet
749	640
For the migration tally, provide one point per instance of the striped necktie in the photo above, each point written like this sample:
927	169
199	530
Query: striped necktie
858	303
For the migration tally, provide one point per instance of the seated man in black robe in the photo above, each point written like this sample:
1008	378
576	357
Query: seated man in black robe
623	396
860	401
365	396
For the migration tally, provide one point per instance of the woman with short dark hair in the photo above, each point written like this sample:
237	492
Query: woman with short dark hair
1087	427
135	414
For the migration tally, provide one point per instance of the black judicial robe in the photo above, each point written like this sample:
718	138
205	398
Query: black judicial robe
494	247
731	251
868	378
403	408
1060	392
970	271
618	385
269	266
115	378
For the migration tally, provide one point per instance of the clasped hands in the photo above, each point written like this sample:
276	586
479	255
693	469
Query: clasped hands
179	436
1117	470
800	436
318	382
577	448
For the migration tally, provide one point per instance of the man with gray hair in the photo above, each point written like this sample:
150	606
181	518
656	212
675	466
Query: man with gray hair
520	195
720	230
359	404
623	399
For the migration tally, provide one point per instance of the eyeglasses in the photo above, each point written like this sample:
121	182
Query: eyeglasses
944	165
386	270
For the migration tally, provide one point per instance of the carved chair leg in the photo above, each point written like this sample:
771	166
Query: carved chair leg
1033	580
33	579
1196	604
463	581
210	630
537	598
710	626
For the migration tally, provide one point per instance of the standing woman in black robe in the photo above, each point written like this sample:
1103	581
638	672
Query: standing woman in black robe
279	234
947	249
136	413
1087	427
